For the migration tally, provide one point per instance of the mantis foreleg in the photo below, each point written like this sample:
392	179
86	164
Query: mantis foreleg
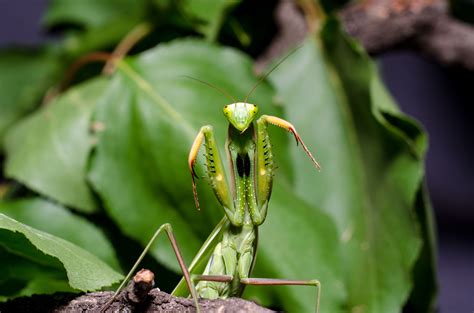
169	232
265	164
289	127
216	174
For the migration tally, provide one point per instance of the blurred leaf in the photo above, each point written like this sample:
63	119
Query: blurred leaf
92	14
48	150
44	285
84	271
102	23
24	78
57	221
209	13
372	159
423	296
78	43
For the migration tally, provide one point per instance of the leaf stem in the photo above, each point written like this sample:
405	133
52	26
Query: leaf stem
126	44
72	70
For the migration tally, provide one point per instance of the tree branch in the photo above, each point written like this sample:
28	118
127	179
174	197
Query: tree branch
157	301
425	25
382	25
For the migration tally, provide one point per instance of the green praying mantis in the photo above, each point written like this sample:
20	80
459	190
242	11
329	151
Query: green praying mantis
223	265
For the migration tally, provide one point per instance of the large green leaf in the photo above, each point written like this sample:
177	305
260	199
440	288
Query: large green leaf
48	150
150	115
372	159
24	78
84	270
58	221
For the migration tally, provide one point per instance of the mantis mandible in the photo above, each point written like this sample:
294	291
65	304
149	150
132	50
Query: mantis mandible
223	265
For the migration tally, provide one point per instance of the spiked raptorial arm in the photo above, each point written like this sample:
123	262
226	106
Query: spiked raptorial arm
215	172
289	127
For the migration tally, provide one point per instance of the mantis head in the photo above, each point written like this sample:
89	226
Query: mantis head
240	114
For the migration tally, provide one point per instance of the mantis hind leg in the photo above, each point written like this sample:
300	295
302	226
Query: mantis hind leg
285	282
169	232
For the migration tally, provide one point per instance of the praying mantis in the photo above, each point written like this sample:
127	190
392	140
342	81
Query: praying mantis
223	265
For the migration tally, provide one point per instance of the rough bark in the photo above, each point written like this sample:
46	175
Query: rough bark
156	301
383	25
425	25
137	297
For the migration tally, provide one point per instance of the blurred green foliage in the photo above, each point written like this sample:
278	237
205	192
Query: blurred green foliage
110	154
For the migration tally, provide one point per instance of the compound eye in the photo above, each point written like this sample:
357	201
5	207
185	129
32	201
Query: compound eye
226	110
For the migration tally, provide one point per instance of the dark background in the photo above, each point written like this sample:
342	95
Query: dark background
442	99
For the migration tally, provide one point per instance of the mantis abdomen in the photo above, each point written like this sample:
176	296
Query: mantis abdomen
233	257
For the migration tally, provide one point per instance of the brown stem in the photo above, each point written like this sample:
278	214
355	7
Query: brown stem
140	286
110	59
126	44
72	70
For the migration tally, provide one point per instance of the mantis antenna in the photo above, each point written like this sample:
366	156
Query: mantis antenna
212	86
269	72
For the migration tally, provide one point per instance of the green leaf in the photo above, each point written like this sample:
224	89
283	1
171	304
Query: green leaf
24	79
92	14
423	295
102	23
48	150
209	13
150	115
58	221
84	271
372	165
23	277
